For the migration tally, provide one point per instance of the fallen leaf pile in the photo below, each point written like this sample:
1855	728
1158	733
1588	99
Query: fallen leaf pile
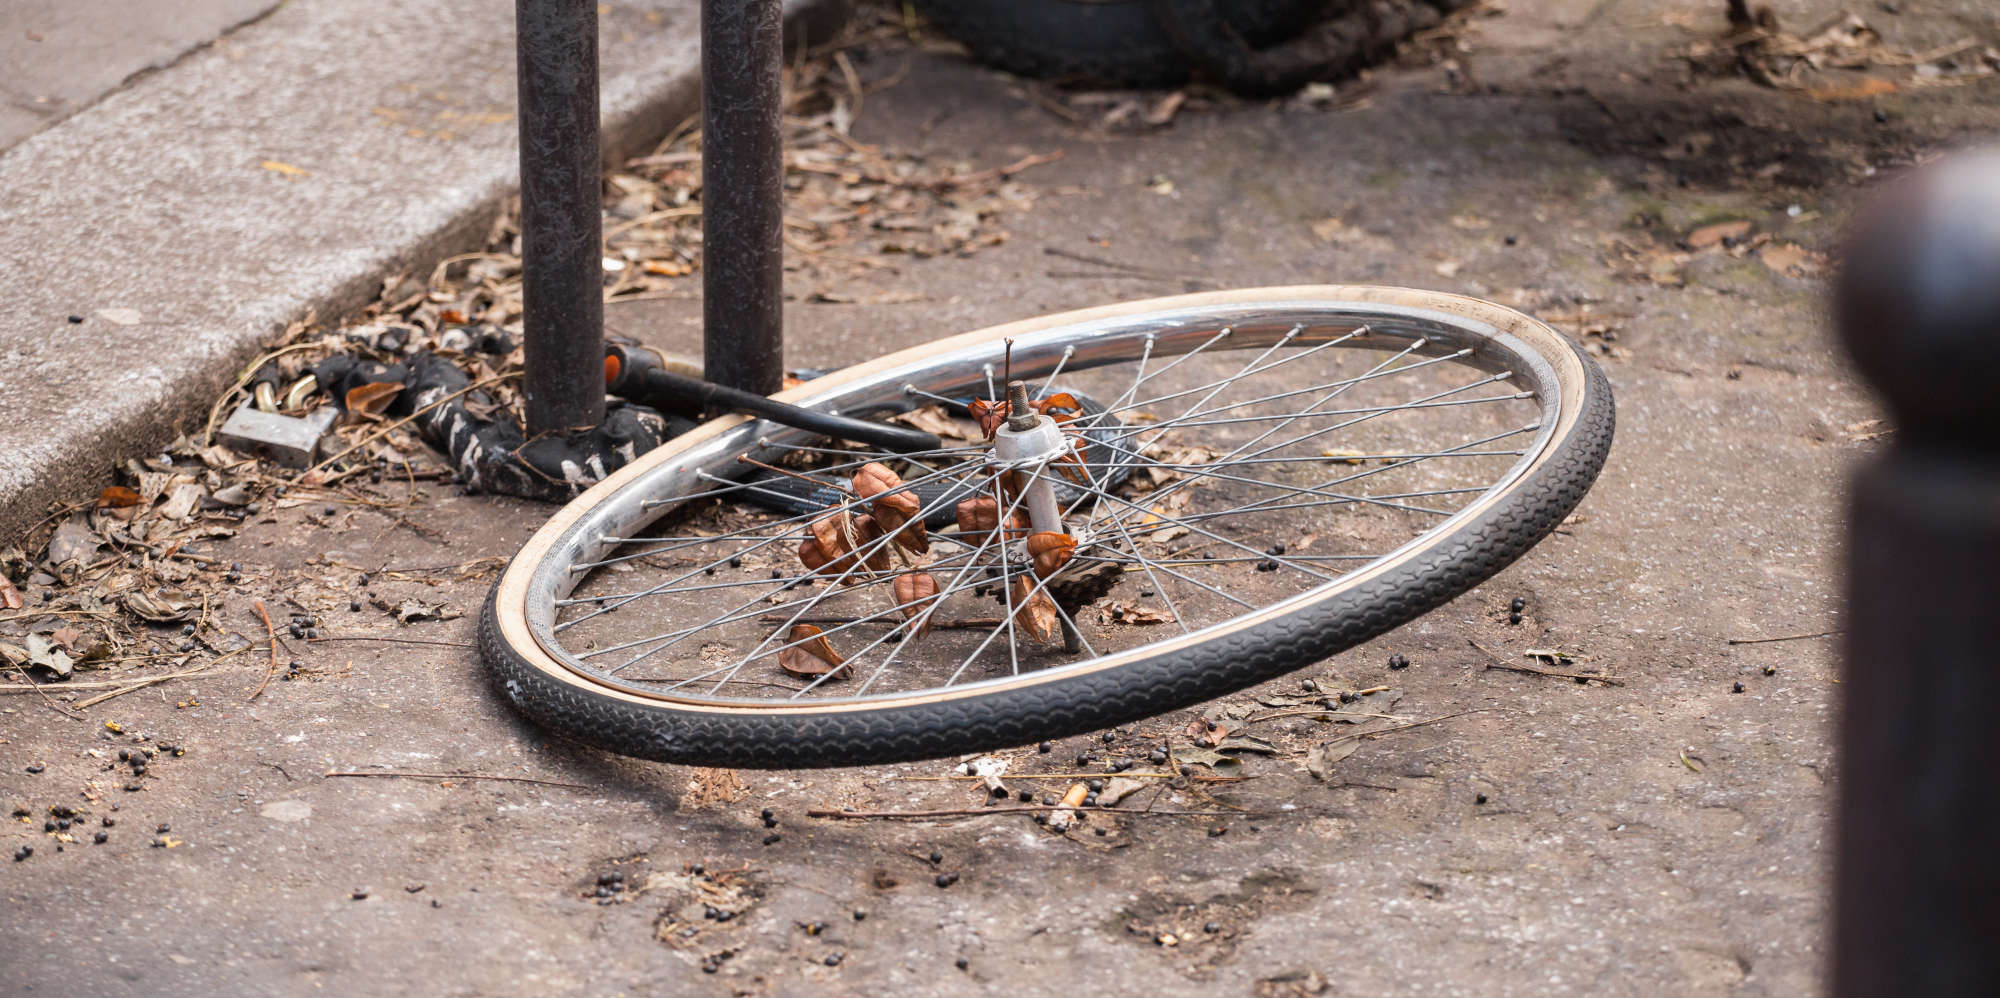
1844	58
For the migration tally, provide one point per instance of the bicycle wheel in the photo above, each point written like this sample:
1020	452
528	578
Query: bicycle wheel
1296	470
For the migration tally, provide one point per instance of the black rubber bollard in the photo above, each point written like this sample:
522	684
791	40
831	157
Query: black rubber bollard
742	194
562	232
1918	305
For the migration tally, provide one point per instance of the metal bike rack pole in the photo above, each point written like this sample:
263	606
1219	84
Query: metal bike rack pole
562	271
1918	305
742	194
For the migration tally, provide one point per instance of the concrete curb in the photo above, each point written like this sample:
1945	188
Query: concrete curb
287	168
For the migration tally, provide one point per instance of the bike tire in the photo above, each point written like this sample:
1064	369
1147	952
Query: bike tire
1491	531
1108	43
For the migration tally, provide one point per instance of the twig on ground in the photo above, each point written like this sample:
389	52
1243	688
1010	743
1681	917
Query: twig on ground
273	632
1786	637
139	685
1503	664
109	684
1392	729
53	705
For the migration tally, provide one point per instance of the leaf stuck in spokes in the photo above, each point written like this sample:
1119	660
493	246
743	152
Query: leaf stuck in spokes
895	509
916	593
1050	551
1034	610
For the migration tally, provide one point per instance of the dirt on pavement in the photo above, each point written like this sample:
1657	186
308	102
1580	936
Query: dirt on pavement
1664	835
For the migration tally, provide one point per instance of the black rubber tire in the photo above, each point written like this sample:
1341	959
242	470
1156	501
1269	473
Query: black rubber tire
1109	43
1350	37
1065	705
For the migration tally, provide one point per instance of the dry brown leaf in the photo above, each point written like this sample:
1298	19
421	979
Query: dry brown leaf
67	636
895	510
1162	113
1791	259
1050	551
916	593
373	399
1132	613
10	597
707	787
1062	407
1718	233
868	537
988	414
977	519
812	656
116	497
835	538
932	419
1034	610
1207	733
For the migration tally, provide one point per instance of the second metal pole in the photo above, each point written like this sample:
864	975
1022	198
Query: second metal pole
742	193
562	268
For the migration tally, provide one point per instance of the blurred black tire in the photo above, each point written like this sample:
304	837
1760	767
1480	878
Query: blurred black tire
1103	43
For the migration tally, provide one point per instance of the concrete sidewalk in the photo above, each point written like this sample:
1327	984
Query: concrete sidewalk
284	167
63	56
